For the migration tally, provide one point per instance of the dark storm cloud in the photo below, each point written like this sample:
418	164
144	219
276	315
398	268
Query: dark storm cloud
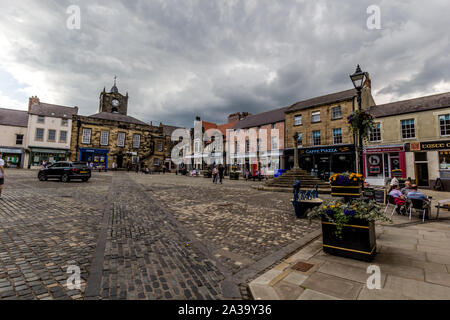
179	59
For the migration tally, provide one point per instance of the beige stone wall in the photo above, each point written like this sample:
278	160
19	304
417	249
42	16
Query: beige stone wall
147	151
326	124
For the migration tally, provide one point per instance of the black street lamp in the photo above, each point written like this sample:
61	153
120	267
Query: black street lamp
358	79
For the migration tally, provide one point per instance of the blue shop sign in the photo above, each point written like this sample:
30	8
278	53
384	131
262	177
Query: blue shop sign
98	151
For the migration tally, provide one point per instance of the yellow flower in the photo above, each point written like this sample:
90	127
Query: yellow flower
324	207
332	207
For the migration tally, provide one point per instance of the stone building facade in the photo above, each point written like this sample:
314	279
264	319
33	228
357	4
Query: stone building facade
111	136
325	141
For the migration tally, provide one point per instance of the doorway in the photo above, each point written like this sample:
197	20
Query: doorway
119	161
421	169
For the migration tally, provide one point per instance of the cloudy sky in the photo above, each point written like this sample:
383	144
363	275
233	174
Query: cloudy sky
179	59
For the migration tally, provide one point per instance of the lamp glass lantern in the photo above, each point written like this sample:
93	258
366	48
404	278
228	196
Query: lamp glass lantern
358	78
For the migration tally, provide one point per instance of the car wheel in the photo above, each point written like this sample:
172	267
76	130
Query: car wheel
65	178
42	177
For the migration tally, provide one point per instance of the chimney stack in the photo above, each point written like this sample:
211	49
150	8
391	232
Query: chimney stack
31	101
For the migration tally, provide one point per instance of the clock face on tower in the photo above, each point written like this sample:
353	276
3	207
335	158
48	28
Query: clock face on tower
115	103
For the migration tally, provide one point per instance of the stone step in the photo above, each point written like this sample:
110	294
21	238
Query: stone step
289	190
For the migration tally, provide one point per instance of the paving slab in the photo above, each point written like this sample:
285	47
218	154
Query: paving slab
438	278
263	292
434	250
296	278
432	257
334	286
417	289
267	277
348	272
288	291
309	294
381	294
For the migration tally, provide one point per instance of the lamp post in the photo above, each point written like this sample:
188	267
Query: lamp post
296	166
358	79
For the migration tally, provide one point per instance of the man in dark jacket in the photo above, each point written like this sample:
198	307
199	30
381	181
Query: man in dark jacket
221	172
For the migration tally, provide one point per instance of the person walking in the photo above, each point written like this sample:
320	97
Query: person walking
214	174
221	172
2	174
137	168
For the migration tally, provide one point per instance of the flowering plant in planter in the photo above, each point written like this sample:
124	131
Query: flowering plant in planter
340	213
346	179
361	122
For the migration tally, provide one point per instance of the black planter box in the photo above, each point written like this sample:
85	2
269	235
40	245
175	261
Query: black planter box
358	239
346	191
303	206
234	176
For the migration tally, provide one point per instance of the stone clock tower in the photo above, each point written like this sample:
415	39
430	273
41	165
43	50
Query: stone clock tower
113	101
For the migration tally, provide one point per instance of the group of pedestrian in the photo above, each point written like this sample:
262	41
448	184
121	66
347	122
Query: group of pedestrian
217	173
258	174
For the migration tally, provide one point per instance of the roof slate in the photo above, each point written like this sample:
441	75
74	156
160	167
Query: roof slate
437	101
260	119
117	117
15	118
326	99
53	110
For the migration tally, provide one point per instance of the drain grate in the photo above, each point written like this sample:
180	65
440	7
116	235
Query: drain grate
302	266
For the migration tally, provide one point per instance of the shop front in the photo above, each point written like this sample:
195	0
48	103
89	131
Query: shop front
430	160
98	157
13	157
382	163
323	161
38	155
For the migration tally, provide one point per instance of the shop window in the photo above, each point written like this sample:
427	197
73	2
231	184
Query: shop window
86	136
375	165
63	136
375	133
39	134
51	135
315	116
408	129
316	138
121	139
298	120
19	139
41	119
104	138
444	124
336	113
136	141
160	146
337	136
444	160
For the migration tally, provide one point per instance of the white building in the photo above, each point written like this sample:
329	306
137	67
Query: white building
49	132
13	134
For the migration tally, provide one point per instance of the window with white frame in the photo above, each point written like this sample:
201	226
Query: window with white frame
315	116
336	112
375	133
51	135
247	145
39	134
104	138
41	119
160	146
298	120
63	136
337	135
316	138
274	143
121	139
86	136
136	141
408	129
444	124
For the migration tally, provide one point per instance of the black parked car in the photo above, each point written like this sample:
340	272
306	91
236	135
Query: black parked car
66	171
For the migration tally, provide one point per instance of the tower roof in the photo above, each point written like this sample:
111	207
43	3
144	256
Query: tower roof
114	87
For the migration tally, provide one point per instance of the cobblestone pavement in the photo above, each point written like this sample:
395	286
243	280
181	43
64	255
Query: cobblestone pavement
136	236
241	225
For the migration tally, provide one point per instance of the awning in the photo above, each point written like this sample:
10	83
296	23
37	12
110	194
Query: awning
42	150
7	150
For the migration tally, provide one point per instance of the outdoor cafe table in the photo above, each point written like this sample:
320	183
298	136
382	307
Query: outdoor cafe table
441	204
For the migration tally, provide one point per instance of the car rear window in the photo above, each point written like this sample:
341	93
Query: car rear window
79	165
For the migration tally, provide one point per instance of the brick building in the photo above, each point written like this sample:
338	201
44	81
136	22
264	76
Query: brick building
111	136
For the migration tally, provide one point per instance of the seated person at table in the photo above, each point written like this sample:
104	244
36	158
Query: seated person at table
407	189
417	195
399	198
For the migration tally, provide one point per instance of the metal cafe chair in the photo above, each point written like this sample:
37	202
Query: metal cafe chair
391	202
417	204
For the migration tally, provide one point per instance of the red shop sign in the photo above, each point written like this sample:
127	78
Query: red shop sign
388	149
